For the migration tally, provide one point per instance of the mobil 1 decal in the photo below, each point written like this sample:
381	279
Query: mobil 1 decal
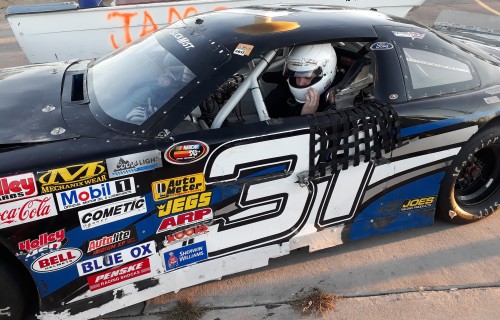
43	244
95	193
119	275
133	163
186	152
111	241
17	187
185	256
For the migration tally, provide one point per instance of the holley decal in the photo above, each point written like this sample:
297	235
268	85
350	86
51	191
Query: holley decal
17	187
56	260
44	242
27	210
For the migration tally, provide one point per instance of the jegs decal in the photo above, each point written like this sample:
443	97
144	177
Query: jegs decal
27	210
71	177
111	241
186	152
17	187
178	186
119	274
133	163
56	260
185	203
185	256
185	219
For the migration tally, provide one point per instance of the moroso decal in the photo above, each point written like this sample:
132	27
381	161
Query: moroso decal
186	152
133	163
111	212
56	260
185	234
95	193
185	203
185	219
118	275
174	187
44	242
114	259
27	210
186	255
71	177
418	203
17	187
112	241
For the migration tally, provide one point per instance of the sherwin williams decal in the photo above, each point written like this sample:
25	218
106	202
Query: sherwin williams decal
111	241
118	275
186	255
56	260
133	163
116	258
185	219
186	152
111	212
71	177
185	234
95	193
45	242
185	203
418	203
27	210
17	187
381	46
174	187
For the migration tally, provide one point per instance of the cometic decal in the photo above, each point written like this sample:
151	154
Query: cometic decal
185	203
45	242
17	187
111	241
71	177
186	255
133	163
56	260
27	210
119	274
186	152
185	219
418	203
174	187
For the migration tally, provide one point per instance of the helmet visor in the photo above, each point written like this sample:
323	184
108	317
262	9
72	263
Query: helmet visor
303	79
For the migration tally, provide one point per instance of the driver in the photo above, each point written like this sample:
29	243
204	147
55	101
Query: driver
309	72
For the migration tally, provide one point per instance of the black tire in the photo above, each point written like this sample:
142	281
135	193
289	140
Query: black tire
470	190
12	299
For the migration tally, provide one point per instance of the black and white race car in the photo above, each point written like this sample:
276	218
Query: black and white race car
158	167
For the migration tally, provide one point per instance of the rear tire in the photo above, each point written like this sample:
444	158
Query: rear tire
12	298
470	190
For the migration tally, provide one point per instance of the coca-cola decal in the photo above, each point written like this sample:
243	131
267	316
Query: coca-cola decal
27	210
17	187
56	260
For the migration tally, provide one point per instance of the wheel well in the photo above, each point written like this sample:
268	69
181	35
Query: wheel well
491	123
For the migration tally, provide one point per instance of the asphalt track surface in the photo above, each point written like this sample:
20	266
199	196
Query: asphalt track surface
438	272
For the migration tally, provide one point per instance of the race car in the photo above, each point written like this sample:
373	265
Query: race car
158	167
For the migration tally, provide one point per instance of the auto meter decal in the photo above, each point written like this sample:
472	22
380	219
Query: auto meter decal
186	255
17	187
185	219
45	242
185	203
56	260
119	274
133	163
186	152
27	210
178	186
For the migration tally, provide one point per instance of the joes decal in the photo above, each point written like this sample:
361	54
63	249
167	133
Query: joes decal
17	187
186	152
28	210
174	187
186	255
185	203
133	163
185	219
111	241
418	203
56	260
118	275
71	177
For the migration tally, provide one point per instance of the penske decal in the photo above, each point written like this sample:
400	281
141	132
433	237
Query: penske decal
119	274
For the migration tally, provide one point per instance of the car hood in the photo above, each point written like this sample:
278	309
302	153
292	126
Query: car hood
30	104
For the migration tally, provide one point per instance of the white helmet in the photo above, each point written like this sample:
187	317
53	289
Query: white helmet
318	61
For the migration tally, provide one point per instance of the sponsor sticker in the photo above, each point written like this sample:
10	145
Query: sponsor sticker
186	152
174	187
133	163
418	203
95	193
181	39
17	187
111	241
186	255
185	234
71	177
243	49
111	212
381	46
185	219
56	260
27	210
412	35
184	203
118	275
114	259
45	242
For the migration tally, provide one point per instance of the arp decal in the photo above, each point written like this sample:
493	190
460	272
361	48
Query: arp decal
243	49
133	163
186	152
178	186
71	177
186	255
111	212
27	210
17	187
185	219
381	46
185	203
111	241
412	35
56	260
95	193
114	259
119	274
185	234
418	203
45	242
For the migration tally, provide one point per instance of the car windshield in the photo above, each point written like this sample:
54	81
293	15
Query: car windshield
132	84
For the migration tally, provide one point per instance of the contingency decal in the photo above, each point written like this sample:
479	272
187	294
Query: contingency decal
95	193
111	241
381	46
186	152
184	235
184	203
27	210
185	219
412	35
418	203
56	260
17	187
74	176
45	242
178	186
133	163
186	255
243	49
119	274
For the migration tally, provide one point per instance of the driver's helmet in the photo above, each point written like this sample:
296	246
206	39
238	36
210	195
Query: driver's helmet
173	72
317	61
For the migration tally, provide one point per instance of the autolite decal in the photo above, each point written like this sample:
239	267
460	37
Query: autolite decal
185	234
185	219
95	193
185	203
71	177
133	163
56	260
174	187
418	203
114	259
186	255
118	275
17	187
44	242
186	152
111	212
112	241
27	210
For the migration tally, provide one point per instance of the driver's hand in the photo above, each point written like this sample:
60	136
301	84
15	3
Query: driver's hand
138	115
312	102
